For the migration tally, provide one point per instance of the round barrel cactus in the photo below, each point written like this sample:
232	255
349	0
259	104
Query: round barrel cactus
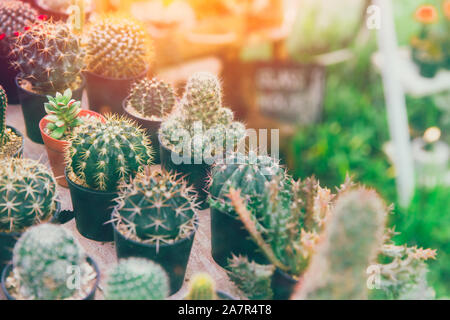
202	287
104	154
28	193
137	279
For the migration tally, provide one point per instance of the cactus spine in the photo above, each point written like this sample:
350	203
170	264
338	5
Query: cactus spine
137	279
202	287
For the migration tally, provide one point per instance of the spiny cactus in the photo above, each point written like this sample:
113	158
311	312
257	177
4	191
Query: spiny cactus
104	154
4	136
117	48
62	113
151	99
202	287
41	259
28	193
156	207
50	57
15	16
137	279
351	241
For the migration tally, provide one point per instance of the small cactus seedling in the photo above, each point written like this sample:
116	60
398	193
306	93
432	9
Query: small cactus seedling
202	287
10	142
42	257
103	155
156	207
118	48
28	193
137	279
152	99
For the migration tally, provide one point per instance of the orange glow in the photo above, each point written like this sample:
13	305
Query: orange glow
426	14
446	8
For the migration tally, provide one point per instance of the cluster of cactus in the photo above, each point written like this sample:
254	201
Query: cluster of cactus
15	16
62	114
41	260
156	207
28	193
202	287
137	279
151	99
102	155
50	57
201	124
117	48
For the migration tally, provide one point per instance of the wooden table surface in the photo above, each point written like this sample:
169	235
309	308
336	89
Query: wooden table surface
104	253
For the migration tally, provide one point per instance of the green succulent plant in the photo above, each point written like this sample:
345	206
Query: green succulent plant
202	287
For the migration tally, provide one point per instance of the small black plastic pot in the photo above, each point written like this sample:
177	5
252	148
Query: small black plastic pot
428	69
172	257
151	127
283	285
107	94
7	79
229	237
224	296
195	174
92	209
33	108
90	296
19	152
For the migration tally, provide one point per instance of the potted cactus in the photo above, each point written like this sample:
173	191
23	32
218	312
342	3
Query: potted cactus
118	54
148	103
50	264
28	194
101	156
155	218
203	287
49	58
11	139
249	173
137	279
199	131
60	10
64	115
15	16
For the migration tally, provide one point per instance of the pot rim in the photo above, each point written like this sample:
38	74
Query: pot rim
84	189
133	116
285	275
142	74
31	93
8	268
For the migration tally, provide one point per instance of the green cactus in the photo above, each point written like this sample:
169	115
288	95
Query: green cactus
151	99
28	193
62	113
4	136
156	207
118	48
102	155
42	257
202	287
50	57
137	279
351	242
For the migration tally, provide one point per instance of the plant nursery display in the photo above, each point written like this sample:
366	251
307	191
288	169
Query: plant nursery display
42	258
11	140
156	218
100	157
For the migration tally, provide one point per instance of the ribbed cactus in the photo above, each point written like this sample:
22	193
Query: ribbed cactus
351	241
50	57
156	207
137	279
104	154
151	99
4	136
202	287
28	193
41	259
117	48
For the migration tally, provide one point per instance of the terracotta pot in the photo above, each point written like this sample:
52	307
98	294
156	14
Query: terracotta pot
55	148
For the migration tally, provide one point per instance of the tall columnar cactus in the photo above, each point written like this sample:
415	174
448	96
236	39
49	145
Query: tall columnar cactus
4	137
202	287
156	207
118	48
102	155
41	259
151	99
28	193
50	57
351	241
137	279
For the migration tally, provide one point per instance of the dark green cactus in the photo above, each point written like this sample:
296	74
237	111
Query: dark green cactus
4	136
50	57
102	155
151	99
156	207
202	287
137	279
28	193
